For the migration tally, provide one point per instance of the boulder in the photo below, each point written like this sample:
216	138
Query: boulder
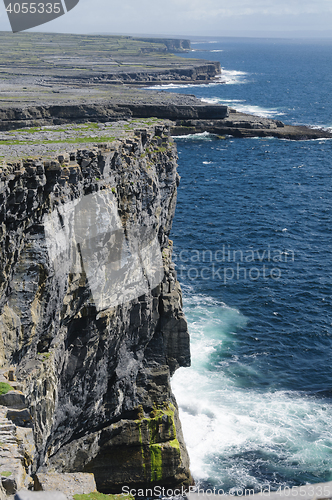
78	483
21	418
13	399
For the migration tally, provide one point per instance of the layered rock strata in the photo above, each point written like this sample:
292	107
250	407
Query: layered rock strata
19	117
242	125
189	116
90	308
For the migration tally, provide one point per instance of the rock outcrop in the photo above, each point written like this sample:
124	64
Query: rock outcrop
17	449
90	309
68	484
190	116
189	73
242	125
12	118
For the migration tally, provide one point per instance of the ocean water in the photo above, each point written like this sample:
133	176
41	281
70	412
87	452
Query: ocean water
252	245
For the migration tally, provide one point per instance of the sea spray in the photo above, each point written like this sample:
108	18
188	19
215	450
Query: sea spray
238	437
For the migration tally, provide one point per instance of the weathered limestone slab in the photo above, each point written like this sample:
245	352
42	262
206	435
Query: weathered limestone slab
26	444
3	495
17	453
77	483
11	469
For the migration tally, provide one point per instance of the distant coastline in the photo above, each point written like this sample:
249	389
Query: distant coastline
43	88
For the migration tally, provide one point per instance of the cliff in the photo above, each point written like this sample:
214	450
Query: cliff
91	315
171	45
56	114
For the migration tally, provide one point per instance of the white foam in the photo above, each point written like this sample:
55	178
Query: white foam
228	77
239	105
182	85
212	50
218	100
259	111
220	418
328	128
205	136
232	77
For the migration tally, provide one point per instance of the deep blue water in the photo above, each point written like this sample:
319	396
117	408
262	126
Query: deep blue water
252	244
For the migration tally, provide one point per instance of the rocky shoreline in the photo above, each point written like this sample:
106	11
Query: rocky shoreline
58	79
242	125
187	118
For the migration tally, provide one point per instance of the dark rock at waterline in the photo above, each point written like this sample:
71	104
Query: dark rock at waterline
242	125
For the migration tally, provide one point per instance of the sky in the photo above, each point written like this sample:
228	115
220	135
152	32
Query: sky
190	18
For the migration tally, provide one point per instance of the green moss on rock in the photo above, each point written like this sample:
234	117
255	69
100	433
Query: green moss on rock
175	444
161	436
4	388
6	473
156	462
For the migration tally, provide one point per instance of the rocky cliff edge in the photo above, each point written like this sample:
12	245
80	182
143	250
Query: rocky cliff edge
91	314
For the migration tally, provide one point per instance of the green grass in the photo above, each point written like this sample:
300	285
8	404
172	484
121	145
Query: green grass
75	140
4	388
31	130
101	496
6	473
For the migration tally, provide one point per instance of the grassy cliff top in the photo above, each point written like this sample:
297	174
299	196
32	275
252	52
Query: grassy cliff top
50	141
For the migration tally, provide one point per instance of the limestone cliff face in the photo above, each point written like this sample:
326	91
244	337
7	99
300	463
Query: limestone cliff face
95	364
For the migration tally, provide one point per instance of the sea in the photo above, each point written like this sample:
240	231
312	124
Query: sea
252	247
